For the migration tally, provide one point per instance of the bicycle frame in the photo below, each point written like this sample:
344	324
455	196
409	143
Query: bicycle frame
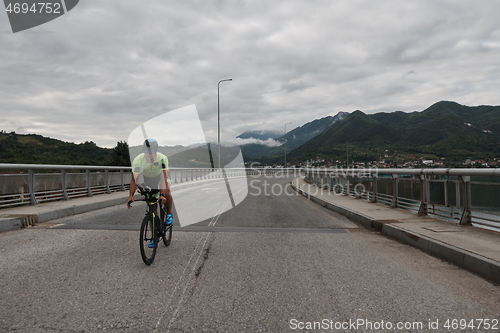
151	201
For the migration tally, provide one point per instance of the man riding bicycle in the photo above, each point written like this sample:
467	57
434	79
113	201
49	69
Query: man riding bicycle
152	167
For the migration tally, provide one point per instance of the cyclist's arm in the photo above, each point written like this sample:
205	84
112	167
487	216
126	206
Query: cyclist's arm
164	188
131	190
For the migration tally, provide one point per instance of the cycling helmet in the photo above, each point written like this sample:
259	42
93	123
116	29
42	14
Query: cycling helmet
150	146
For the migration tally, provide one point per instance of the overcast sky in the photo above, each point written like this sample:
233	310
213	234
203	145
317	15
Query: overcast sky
98	72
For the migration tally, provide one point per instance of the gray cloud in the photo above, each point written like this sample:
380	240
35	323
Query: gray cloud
107	66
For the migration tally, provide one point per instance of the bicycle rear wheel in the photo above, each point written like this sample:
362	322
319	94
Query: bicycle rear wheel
147	235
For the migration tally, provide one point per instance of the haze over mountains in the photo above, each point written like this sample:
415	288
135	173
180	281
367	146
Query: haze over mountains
260	135
295	138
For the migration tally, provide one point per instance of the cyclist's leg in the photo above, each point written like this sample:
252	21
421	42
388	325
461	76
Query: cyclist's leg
168	204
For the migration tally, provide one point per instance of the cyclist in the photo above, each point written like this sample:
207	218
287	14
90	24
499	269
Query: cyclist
152	166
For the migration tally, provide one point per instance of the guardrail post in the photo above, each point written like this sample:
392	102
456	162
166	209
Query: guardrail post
358	194
122	180
424	188
395	191
446	201
31	186
63	185
107	181
346	182
466	213
87	178
374	198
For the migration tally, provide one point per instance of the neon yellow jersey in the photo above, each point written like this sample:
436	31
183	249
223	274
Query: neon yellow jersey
150	171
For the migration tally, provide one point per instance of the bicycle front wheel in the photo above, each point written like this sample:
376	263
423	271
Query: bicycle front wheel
148	234
168	235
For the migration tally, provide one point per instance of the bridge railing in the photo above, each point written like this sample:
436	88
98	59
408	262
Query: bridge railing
467	196
30	184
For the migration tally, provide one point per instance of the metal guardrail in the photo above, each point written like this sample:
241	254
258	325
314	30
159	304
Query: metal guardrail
447	193
453	194
63	182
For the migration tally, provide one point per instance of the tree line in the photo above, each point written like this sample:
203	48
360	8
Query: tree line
36	149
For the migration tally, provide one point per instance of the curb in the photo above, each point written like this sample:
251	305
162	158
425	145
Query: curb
18	221
485	267
7	224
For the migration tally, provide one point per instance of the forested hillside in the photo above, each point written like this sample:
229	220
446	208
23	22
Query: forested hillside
36	149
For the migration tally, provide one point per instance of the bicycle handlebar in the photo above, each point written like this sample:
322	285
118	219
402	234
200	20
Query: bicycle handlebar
144	190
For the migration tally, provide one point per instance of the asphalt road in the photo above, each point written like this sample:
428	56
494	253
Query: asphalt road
269	203
274	263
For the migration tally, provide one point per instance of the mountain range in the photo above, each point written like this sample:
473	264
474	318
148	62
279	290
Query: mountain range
444	130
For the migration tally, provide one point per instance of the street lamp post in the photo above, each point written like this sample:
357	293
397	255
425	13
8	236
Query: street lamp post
218	115
285	142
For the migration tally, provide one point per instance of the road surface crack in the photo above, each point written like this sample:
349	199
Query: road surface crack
204	258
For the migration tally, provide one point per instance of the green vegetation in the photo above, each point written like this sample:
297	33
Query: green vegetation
37	149
120	155
446	131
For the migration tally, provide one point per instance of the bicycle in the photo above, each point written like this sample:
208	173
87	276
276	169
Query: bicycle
153	226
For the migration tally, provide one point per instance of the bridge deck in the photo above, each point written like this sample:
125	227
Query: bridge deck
472	248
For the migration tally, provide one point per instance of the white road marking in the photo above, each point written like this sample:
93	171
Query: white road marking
210	189
203	238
